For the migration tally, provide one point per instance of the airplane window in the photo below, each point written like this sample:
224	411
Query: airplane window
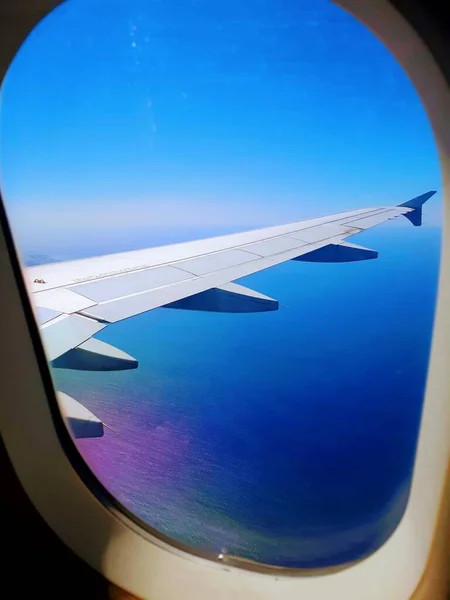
229	219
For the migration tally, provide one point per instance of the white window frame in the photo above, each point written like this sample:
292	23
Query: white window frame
147	566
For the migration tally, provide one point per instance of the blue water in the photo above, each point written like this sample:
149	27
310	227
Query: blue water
286	437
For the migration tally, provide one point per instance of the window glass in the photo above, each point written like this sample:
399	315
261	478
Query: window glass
282	428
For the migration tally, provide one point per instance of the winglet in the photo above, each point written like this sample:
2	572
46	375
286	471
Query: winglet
415	216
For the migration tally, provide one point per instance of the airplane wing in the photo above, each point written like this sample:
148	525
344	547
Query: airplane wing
74	300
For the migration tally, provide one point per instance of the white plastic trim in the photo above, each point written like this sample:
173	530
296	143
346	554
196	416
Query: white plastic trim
152	569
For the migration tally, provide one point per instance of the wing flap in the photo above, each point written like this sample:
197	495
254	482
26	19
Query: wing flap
217	261
324	232
373	220
131	283
274	246
62	300
43	315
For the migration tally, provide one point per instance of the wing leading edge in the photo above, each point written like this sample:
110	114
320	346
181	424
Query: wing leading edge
74	300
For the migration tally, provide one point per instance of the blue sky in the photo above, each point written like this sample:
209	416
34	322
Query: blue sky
127	124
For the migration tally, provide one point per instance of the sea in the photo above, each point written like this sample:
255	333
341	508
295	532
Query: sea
285	437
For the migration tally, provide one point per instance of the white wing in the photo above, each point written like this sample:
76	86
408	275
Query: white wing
76	299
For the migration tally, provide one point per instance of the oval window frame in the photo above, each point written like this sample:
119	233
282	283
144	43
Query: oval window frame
149	567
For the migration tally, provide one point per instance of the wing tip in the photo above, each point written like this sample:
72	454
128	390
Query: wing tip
419	201
415	216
